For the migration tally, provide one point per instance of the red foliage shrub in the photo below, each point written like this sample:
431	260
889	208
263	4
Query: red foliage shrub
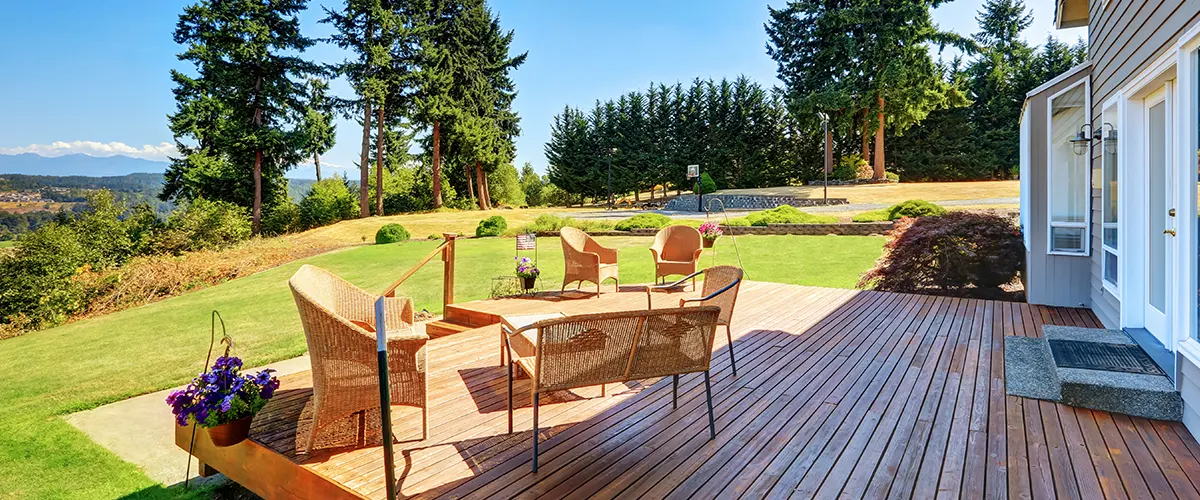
951	253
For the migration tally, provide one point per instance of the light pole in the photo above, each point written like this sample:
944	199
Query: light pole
828	157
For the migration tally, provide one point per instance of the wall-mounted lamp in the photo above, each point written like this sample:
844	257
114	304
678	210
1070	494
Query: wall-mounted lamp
1086	135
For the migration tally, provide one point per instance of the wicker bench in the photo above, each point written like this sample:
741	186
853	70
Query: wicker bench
596	349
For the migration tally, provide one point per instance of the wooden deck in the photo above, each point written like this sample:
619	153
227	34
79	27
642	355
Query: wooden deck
839	392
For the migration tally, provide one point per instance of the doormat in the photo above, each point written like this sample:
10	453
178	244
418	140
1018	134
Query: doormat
1125	358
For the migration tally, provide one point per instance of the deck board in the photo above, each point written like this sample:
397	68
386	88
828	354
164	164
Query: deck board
839	393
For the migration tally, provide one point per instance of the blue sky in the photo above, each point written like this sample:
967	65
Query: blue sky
92	77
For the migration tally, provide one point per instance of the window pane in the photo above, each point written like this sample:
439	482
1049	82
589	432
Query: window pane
1066	239
1068	171
1110	268
1157	177
1109	177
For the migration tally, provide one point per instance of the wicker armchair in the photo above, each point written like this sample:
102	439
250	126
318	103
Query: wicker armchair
339	327
586	260
721	285
596	349
676	250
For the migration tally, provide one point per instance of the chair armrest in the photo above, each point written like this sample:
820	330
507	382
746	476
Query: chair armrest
655	252
696	257
679	283
710	296
606	255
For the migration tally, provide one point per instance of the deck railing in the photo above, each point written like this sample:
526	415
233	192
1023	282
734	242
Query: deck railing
446	250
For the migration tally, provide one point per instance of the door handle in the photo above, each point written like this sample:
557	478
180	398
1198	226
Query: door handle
1169	231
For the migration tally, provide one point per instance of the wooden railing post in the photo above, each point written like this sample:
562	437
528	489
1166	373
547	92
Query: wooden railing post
448	269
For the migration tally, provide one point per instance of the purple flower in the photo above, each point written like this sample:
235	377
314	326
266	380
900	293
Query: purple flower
215	391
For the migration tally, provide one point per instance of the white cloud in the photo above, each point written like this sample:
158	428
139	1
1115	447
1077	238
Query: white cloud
158	152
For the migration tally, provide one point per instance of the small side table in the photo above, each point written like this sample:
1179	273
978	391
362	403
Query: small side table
510	323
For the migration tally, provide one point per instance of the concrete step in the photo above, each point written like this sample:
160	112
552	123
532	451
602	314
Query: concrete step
1030	371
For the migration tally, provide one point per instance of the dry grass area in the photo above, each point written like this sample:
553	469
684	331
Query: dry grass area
419	225
25	207
895	193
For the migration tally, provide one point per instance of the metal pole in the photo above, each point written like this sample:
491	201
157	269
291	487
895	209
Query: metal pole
825	141
385	400
699	192
610	195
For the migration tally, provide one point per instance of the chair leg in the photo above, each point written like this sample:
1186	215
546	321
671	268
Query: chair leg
425	421
732	361
602	386
535	431
712	426
510	399
674	392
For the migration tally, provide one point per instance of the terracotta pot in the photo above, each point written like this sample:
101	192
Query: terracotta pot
230	433
529	282
709	243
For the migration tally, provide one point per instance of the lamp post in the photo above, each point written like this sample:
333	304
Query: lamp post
827	154
611	152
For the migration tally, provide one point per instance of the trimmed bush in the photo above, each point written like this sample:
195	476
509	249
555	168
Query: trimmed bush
327	201
391	233
737	221
892	176
491	226
644	221
951	253
434	236
915	208
707	185
551	222
787	214
873	216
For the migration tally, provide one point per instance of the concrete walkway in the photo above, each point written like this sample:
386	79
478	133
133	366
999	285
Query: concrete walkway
141	430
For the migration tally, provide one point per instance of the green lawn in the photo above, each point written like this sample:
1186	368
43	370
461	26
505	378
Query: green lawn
89	363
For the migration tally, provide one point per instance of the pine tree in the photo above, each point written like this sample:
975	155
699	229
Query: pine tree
318	127
243	106
997	84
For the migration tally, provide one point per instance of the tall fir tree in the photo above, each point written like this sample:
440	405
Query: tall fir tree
319	131
237	116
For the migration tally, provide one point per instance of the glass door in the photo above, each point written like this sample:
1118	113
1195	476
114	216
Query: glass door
1160	244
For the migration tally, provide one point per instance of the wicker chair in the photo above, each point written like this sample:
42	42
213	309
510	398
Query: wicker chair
676	250
586	260
596	349
721	285
339	327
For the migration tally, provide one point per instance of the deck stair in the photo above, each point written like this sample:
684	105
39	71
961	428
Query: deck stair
1042	368
458	319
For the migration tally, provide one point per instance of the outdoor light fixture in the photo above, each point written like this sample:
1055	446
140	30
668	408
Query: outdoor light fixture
1083	139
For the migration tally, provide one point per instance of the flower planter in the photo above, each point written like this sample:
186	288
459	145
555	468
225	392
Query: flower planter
709	243
529	282
230	433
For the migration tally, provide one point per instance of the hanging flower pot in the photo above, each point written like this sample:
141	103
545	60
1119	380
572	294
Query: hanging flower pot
230	433
529	282
708	242
710	231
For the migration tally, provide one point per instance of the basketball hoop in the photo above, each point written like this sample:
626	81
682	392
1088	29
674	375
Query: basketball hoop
693	171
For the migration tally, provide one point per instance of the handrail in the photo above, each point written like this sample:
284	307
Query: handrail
446	249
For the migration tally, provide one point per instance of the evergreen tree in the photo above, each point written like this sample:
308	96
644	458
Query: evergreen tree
998	83
318	128
241	108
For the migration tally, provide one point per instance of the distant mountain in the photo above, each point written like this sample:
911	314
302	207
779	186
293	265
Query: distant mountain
78	164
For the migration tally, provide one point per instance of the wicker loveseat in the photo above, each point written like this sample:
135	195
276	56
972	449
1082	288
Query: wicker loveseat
596	349
339	327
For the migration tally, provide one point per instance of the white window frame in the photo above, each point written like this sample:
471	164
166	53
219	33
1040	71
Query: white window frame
1086	225
1112	106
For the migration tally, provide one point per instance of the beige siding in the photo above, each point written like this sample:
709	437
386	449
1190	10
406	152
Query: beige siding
1057	280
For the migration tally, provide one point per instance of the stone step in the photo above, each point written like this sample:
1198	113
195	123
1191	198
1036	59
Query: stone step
1030	372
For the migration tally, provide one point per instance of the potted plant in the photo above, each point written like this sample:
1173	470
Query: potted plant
710	231
528	272
223	400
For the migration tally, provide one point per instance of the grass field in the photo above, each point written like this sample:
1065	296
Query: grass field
109	358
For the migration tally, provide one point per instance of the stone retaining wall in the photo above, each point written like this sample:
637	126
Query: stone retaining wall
688	202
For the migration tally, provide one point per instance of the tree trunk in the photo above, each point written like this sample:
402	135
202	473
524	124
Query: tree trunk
437	164
866	142
317	163
828	167
487	192
470	183
364	206
256	226
479	184
879	165
636	195
379	140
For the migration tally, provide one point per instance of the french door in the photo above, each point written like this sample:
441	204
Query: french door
1160	212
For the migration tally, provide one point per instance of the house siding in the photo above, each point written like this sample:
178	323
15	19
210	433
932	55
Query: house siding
1124	38
1056	280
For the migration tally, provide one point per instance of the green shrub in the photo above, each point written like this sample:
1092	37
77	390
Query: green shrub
37	278
491	226
504	186
957	254
643	221
327	201
281	218
551	223
103	235
533	185
707	185
205	225
848	168
914	208
787	214
434	236
737	221
892	176
873	216
391	233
